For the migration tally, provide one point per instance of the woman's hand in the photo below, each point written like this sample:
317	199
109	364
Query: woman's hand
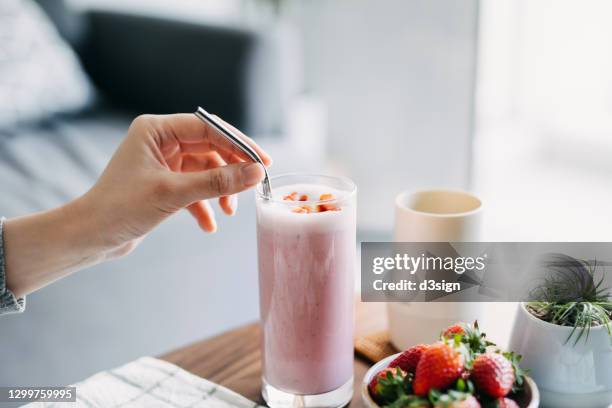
165	163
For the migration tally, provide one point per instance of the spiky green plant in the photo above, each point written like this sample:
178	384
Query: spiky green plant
571	295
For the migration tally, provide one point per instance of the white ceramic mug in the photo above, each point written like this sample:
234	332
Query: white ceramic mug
437	216
433	216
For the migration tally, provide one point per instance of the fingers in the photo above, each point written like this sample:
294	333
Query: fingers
216	182
196	136
204	214
229	204
207	161
199	149
191	162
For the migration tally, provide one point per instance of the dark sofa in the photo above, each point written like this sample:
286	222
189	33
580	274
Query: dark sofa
149	64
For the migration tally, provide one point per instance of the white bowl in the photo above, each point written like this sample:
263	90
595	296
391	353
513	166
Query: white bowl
529	397
365	393
568	375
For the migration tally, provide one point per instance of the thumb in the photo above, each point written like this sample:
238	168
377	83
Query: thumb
217	182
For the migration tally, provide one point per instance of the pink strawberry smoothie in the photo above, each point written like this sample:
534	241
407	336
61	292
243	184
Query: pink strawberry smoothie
306	272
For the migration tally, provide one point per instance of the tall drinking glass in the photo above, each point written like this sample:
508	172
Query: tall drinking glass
306	253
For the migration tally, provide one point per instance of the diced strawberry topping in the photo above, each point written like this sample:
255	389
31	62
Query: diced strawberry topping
327	207
291	197
302	209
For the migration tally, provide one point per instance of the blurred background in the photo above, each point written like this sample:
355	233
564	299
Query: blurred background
508	99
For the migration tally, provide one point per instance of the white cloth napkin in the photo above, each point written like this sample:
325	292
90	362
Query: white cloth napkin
152	383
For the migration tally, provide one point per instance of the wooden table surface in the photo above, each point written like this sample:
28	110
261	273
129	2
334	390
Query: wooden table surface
232	359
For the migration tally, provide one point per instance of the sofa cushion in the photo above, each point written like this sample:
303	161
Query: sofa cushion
39	73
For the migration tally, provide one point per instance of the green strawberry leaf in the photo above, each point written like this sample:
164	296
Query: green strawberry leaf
391	387
408	401
463	385
519	373
472	339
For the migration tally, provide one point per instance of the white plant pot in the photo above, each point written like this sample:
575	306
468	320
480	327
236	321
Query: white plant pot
567	375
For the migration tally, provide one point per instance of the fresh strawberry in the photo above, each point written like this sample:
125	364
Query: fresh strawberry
469	401
387	384
409	359
440	365
506	403
409	401
303	197
457	328
493	374
453	399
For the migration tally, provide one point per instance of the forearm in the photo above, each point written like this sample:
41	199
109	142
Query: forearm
46	246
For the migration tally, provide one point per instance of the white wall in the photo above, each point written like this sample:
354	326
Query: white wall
397	77
544	129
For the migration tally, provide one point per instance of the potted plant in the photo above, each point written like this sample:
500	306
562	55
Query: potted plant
565	335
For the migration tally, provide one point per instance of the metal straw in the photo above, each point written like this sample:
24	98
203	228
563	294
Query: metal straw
239	143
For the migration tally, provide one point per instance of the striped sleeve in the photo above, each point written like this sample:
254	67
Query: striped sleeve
8	302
